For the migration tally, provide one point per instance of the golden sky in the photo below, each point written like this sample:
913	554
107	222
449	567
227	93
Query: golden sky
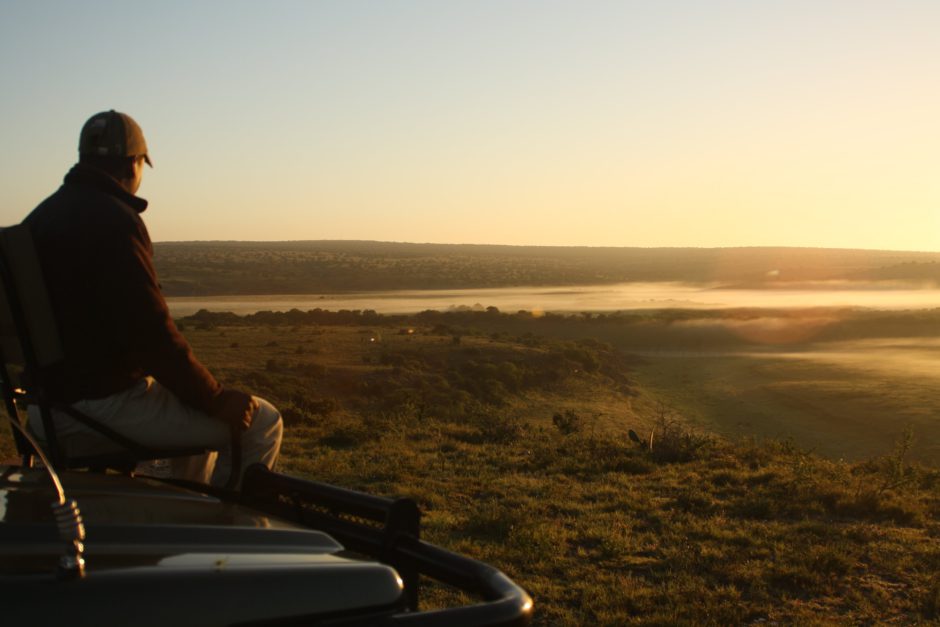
609	123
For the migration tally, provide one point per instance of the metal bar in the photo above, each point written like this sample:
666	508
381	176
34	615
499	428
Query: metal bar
261	483
397	543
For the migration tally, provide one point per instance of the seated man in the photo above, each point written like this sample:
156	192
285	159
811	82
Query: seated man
126	363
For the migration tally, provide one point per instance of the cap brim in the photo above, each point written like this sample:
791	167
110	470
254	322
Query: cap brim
147	159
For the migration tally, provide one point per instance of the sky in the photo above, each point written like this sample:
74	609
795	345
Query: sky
598	123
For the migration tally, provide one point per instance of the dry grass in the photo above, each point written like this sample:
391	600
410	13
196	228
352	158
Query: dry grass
601	529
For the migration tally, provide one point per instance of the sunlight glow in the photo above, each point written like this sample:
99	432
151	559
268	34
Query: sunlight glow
632	124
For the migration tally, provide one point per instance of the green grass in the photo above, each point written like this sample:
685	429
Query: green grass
702	529
603	532
707	527
839	410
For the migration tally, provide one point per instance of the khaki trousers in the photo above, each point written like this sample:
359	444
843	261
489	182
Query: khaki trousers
150	414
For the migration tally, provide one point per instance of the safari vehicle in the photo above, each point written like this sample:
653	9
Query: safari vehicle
81	544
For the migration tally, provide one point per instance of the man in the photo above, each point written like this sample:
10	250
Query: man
126	363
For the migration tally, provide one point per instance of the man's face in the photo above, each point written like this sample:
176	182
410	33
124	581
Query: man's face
134	184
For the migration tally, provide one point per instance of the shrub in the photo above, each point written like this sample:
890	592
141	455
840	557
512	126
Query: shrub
675	442
322	407
292	416
347	435
496	427
568	422
585	358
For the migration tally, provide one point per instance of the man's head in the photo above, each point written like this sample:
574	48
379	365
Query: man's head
113	142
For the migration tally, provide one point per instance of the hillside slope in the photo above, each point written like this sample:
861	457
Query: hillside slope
517	448
214	268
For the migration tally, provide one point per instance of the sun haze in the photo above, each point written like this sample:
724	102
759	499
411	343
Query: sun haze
675	123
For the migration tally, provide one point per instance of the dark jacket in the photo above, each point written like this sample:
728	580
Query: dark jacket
115	327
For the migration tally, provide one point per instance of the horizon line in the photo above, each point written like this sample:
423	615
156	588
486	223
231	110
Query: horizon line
588	246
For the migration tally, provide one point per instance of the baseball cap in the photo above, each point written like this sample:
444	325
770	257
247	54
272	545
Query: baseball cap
113	134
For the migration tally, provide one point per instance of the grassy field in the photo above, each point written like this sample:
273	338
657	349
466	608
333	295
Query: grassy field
845	384
531	468
836	406
512	434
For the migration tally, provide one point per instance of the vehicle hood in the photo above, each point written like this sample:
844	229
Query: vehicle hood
160	554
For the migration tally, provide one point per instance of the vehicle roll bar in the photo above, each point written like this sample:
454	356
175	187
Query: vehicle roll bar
389	530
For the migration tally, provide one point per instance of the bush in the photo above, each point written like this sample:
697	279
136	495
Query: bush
568	422
497	428
347	435
322	407
291	416
674	442
585	358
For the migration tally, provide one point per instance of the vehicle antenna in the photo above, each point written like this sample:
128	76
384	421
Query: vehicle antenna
67	516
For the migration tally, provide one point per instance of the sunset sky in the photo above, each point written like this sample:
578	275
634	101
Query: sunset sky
601	123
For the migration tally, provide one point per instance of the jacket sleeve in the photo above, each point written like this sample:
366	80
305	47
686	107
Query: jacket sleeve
140	313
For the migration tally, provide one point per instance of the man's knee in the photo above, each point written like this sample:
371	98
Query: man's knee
267	421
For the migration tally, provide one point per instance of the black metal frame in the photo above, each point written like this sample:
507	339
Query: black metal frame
389	530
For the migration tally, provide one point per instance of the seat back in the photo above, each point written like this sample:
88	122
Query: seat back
27	313
29	338
29	342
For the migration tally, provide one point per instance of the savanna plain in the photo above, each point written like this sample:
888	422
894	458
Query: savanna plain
660	467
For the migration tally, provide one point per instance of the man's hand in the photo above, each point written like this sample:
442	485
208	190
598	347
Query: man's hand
235	408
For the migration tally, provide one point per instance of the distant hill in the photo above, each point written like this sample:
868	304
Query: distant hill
216	268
